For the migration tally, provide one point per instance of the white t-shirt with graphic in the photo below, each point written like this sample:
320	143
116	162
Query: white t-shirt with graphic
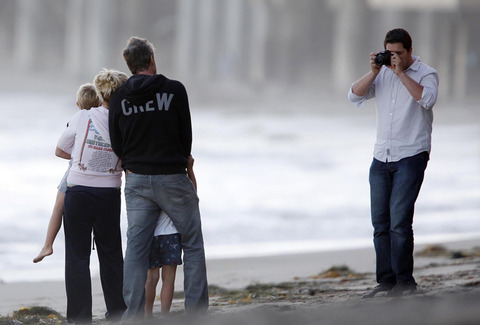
87	140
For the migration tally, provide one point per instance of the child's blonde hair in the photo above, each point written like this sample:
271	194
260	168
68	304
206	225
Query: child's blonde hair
107	81
87	97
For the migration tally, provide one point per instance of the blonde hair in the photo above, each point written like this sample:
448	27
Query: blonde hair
107	81
87	97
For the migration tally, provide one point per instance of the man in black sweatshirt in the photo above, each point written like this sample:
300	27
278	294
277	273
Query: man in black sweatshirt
150	130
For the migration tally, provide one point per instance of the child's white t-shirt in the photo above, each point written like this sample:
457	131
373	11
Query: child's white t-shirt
165	225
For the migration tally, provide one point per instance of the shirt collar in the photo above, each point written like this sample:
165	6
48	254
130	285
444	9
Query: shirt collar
415	66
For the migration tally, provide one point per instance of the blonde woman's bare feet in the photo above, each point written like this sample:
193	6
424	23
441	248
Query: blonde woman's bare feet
46	251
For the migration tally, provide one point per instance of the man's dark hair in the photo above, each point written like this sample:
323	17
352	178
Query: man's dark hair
398	35
138	54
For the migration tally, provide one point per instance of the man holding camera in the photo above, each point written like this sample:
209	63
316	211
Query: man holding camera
405	90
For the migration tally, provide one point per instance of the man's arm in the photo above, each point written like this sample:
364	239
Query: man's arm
190	172
424	92
413	87
430	89
115	134
362	85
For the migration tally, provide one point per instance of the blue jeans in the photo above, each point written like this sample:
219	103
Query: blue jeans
394	188
146	196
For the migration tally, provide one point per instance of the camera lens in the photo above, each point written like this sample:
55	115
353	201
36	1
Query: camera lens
378	60
383	58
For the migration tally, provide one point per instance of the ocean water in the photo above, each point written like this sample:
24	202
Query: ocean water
269	183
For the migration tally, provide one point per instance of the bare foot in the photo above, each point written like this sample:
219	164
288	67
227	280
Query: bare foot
43	253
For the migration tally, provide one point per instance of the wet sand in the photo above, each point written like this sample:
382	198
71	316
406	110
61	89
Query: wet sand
313	288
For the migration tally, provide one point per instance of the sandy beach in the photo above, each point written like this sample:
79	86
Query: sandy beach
323	286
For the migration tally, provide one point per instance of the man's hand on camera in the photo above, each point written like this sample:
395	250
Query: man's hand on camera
375	68
397	64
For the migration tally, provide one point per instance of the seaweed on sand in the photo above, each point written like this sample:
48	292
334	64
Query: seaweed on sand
33	315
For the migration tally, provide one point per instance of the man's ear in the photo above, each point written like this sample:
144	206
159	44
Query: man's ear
153	65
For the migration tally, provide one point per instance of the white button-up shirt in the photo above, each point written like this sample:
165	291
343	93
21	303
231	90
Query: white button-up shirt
404	125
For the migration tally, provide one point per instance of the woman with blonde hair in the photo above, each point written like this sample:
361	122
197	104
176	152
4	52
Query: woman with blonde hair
92	205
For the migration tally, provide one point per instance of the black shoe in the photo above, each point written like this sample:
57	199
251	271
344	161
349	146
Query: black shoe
379	288
402	289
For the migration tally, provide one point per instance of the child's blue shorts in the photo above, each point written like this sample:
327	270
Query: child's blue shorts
166	250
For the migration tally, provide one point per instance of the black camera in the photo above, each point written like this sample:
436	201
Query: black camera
383	58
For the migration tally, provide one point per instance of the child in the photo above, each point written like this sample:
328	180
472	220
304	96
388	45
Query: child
86	98
166	254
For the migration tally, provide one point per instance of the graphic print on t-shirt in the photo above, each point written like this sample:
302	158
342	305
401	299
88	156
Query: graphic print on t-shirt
96	154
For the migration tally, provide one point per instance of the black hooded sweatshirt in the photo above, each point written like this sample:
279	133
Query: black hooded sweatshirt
150	125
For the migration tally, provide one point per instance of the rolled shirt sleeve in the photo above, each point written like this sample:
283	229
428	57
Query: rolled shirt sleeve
359	101
430	90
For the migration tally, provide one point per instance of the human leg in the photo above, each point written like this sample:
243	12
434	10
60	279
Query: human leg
168	287
407	181
107	236
380	192
53	227
78	230
153	275
142	214
178	198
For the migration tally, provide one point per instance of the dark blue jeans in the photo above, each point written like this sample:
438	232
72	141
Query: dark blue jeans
394	188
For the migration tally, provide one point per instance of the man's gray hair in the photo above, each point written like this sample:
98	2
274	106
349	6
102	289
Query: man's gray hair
138	54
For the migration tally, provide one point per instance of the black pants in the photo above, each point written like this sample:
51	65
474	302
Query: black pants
94	209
